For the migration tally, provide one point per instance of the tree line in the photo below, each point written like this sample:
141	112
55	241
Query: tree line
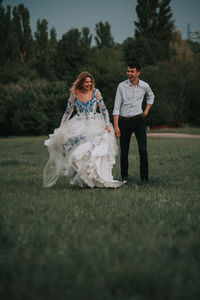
37	69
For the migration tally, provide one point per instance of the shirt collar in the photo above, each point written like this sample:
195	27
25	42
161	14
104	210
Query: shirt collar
129	83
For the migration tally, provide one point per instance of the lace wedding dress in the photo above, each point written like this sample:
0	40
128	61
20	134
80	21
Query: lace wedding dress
81	148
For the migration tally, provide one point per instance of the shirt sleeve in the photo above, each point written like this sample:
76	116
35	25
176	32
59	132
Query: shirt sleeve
69	109
150	95
118	101
102	107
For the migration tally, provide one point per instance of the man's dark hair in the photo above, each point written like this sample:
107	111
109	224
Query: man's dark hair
134	65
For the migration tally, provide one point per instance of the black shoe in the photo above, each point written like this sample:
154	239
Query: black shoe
125	178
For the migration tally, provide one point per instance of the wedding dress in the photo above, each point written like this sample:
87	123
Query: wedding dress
81	148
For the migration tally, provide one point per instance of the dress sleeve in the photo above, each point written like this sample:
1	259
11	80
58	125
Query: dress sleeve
69	109
102	107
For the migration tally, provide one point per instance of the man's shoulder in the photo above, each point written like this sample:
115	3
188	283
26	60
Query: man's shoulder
143	83
123	83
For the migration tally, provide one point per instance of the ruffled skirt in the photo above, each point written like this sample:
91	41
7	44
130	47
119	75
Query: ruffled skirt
84	151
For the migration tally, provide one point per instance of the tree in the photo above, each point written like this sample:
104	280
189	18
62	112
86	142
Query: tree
103	36
71	55
86	37
165	24
143	50
194	46
108	68
41	34
53	37
147	15
196	35
155	22
21	21
8	42
181	51
45	50
5	22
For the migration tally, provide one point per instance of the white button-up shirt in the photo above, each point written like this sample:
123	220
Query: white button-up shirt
129	98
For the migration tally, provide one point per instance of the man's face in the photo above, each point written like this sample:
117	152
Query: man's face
132	74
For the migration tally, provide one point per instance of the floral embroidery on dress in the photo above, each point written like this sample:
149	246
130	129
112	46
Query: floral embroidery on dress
87	108
71	143
69	109
81	148
103	110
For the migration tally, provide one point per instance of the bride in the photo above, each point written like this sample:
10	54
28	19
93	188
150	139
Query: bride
83	147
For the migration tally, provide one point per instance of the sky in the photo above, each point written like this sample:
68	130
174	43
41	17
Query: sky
67	14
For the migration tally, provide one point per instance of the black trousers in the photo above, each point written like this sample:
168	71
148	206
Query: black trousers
127	127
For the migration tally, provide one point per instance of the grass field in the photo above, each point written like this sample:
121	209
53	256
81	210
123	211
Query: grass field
185	130
133	243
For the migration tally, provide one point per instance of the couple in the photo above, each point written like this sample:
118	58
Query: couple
84	147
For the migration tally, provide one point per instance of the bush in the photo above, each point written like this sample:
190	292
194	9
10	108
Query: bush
108	75
34	107
176	91
31	108
12	72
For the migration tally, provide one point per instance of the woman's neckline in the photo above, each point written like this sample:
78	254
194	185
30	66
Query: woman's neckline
87	100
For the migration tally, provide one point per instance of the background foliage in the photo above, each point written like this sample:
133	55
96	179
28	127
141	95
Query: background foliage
37	70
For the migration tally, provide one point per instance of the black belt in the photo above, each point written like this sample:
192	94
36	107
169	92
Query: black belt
131	118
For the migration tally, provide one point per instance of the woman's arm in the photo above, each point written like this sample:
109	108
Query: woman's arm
103	109
69	109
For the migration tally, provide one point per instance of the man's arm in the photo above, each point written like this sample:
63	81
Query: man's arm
116	110
147	109
150	100
116	126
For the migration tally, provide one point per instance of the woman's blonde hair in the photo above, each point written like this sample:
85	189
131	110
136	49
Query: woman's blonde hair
77	85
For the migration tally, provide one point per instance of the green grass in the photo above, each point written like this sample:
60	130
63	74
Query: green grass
186	130
133	243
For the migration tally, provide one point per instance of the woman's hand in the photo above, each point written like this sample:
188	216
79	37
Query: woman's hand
107	128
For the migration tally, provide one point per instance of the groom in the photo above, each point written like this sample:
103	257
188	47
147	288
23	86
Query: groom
129	118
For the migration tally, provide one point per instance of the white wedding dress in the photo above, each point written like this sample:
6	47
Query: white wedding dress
81	148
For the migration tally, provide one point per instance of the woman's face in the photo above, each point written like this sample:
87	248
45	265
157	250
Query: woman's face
87	84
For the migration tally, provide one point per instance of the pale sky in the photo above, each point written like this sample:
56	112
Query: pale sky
121	14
